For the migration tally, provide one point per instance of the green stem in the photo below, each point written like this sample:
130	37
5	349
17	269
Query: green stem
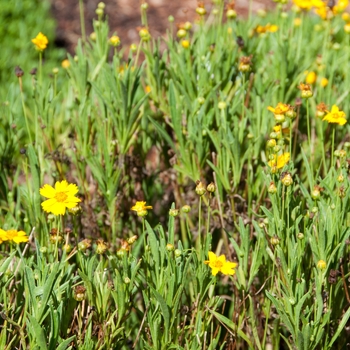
24	109
82	22
309	137
332	150
40	67
199	238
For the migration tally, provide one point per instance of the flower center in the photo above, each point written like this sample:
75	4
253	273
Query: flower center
61	196
218	264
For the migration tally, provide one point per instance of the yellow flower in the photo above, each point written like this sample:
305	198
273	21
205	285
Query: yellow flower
310	77
17	236
60	197
303	4
185	44
324	82
3	236
219	264
114	40
271	28
321	264
297	22
65	64
335	116
281	108
40	41
141	208
279	161
340	6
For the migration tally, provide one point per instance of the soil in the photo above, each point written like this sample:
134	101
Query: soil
124	17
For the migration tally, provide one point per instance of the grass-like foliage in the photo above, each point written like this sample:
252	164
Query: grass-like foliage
191	192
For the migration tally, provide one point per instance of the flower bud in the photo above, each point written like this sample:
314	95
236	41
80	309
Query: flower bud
114	40
231	13
274	240
271	143
272	188
170	247
84	244
79	293
321	264
173	212
211	187
200	189
101	247
300	235
222	105
177	253
181	33
186	208
316	193
132	240
185	44
55	70
287	179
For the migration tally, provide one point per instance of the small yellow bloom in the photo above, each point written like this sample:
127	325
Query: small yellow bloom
321	264
17	236
340	6
185	44
60	197
335	116
40	41
269	28
3	236
324	82
279	161
114	40
306	91
141	208
311	78
281	108
65	64
148	89
219	264
297	22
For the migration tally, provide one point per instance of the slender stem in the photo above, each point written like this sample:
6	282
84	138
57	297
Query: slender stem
199	238
309	137
82	22
332	150
40	67
24	109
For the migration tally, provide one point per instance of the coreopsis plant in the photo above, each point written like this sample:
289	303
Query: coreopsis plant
219	264
335	116
40	42
60	197
141	208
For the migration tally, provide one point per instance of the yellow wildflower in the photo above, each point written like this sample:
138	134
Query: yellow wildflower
65	64
324	82
114	40
321	264
303	4
185	44
3	236
297	22
335	116
17	236
219	264
269	28
40	41
281	108
340	6
60	197
310	77
141	208
279	161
